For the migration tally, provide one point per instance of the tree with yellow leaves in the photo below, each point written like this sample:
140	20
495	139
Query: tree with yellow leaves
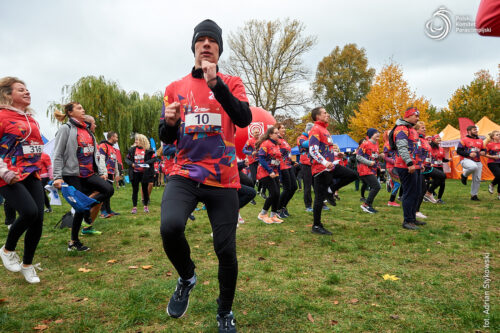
386	102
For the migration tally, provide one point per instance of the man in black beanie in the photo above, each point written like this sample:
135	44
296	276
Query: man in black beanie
200	112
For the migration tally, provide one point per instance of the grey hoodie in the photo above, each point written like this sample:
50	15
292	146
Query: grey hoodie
402	145
65	162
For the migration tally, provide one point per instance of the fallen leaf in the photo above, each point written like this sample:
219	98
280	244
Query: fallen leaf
209	253
84	270
132	267
393	316
310	318
40	327
60	288
428	250
476	217
197	246
333	240
269	289
59	321
206	283
335	302
146	267
118	232
333	322
271	243
309	225
390	277
354	301
292	230
3	300
112	261
393	243
244	312
100	250
169	273
261	258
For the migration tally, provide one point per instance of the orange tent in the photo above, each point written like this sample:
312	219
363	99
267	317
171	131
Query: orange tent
450	137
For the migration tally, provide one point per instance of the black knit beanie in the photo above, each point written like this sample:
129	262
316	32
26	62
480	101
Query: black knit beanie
208	28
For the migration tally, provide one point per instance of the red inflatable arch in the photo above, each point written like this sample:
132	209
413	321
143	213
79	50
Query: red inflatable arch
260	119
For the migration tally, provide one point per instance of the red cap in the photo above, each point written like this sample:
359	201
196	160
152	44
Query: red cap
411	111
436	137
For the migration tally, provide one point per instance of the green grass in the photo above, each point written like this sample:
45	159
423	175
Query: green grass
285	271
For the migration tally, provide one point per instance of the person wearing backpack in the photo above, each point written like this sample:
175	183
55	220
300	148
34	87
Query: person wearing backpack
404	141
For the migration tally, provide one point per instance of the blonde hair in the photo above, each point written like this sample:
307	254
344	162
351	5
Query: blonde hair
490	136
6	84
143	141
418	125
61	116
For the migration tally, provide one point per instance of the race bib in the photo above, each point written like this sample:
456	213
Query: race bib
275	162
32	149
439	162
88	150
203	122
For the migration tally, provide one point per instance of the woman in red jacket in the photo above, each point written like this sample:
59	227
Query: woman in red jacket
437	160
21	148
287	173
268	173
367	157
492	144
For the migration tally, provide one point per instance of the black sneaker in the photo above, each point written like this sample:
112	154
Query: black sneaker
77	246
331	199
439	201
474	198
286	212
226	323
179	302
253	202
281	214
409	226
319	229
417	222
192	217
463	179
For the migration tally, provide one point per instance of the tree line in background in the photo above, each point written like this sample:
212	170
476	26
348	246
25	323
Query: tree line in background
114	109
268	56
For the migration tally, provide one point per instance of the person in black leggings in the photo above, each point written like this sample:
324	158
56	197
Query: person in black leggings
492	144
75	162
201	111
268	174
141	160
438	176
20	185
287	173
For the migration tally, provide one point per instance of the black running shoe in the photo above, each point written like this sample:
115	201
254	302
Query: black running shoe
417	222
226	323
77	246
286	212
179	302
331	199
474	198
253	202
319	229
409	226
192	217
463	179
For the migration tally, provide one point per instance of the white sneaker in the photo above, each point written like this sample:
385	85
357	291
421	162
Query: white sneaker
30	274
491	188
240	219
430	198
10	260
420	215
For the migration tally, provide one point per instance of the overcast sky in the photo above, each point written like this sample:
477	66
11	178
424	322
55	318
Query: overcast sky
144	45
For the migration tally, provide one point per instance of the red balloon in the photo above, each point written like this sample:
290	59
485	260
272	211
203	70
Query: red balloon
261	119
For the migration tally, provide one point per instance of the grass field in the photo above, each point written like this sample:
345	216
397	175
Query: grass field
290	280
